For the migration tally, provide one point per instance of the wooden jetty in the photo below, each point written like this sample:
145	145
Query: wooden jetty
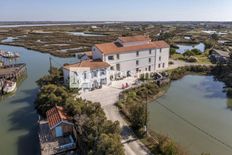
13	72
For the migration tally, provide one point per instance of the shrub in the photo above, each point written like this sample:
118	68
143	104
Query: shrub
191	59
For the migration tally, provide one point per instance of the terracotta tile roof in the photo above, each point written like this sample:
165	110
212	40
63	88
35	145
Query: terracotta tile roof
134	38
88	64
55	116
112	48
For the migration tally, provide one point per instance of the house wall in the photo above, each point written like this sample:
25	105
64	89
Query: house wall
75	77
97	55
128	60
66	129
164	54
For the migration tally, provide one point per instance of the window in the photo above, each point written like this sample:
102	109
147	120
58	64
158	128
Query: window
159	58
112	68
85	75
137	70
137	53
118	56
111	57
137	62
149	51
159	66
149	68
163	65
102	72
160	50
149	60
94	73
118	67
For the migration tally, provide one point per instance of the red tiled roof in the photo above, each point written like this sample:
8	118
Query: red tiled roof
89	63
134	38
55	116
112	48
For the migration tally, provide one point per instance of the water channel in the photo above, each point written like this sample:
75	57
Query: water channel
18	118
194	113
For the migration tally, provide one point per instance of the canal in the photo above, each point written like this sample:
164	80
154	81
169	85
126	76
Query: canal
194	113
18	117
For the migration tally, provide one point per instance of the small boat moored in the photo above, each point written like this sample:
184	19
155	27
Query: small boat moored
9	87
7	54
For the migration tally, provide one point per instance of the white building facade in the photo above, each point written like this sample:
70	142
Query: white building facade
131	55
127	56
86	75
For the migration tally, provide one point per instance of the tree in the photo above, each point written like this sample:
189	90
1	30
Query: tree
137	116
55	77
214	36
188	53
49	96
209	44
172	51
109	145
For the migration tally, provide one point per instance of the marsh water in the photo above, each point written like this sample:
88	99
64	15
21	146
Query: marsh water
194	113
18	117
83	34
184	47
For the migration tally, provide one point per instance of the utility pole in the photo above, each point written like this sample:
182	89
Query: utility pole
146	115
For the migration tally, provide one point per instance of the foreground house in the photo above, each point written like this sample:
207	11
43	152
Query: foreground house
56	133
219	56
127	56
86	75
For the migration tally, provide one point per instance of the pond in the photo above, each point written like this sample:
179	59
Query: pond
184	47
83	34
18	117
194	113
8	40
215	32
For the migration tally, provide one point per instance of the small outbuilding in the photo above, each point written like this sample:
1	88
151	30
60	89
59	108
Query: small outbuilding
58	122
219	56
56	134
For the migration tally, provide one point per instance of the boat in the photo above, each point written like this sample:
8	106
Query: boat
7	54
9	87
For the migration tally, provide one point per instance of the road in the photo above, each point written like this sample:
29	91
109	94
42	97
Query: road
107	96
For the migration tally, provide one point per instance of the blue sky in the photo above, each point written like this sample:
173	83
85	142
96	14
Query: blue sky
115	10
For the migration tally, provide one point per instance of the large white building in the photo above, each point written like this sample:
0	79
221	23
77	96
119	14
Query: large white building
127	56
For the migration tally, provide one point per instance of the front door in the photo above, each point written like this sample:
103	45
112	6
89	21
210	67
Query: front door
59	131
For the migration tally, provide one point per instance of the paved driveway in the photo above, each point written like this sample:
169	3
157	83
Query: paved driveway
107	96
